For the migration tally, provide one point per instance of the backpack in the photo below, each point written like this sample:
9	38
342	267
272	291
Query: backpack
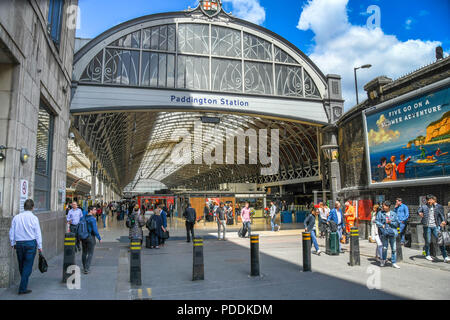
130	221
83	229
151	224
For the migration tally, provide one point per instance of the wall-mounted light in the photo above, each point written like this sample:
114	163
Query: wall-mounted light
24	155
2	155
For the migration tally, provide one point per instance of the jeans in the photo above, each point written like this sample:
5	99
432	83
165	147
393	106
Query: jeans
427	231
386	242
402	231
189	228
272	222
88	251
339	231
73	228
154	239
221	224
26	251
247	226
314	240
104	220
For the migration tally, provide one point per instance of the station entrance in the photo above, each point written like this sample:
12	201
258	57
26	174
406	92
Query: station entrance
203	104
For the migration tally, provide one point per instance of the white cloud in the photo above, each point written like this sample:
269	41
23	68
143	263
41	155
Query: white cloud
341	46
250	10
408	23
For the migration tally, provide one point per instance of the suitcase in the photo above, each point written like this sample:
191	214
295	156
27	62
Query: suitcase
242	231
147	242
333	244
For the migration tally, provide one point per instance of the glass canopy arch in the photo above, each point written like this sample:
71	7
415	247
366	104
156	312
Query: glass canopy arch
176	52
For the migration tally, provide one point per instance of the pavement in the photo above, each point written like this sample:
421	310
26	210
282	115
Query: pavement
167	272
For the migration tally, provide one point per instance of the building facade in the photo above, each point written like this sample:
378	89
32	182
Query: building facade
413	97
36	54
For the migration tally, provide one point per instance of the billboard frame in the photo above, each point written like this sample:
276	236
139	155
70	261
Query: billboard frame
384	105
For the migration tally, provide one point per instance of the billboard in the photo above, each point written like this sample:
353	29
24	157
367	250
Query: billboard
409	141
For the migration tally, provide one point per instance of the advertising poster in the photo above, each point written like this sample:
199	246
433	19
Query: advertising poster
411	140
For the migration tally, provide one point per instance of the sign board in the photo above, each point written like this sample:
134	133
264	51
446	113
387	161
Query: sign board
409	142
23	193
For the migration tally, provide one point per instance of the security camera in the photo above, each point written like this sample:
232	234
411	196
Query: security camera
71	136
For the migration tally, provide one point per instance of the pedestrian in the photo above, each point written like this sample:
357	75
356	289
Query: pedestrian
323	215
190	215
350	216
221	221
433	221
88	241
155	226
337	216
402	212
135	222
163	213
25	236
387	222
273	216
205	212
310	226
374	234
73	218
237	212
246	219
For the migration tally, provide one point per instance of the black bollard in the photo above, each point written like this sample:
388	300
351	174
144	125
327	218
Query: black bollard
135	262
69	254
198	270
306	236
398	245
354	247
254	255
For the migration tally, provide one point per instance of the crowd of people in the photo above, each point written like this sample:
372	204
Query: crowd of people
386	220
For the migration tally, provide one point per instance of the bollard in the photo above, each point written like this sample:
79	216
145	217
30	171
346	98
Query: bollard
354	247
69	254
306	236
398	245
135	262
254	255
198	270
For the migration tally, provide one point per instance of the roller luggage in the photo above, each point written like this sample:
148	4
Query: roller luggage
242	231
333	244
148	242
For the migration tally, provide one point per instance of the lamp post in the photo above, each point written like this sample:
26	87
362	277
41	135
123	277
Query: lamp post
366	66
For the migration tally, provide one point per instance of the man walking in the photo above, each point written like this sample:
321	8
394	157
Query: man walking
433	220
73	218
387	222
25	236
221	221
88	240
337	216
403	214
190	215
246	220
273	216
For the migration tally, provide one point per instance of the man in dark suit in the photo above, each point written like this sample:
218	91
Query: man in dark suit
190	216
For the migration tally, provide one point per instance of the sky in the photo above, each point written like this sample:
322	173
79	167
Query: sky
395	37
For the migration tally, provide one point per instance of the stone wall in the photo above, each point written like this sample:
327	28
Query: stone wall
32	69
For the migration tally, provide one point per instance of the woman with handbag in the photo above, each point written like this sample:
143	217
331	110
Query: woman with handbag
387	222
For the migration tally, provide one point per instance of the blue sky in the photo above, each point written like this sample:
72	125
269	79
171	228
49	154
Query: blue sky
332	32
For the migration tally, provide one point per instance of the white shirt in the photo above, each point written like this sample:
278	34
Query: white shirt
25	227
74	216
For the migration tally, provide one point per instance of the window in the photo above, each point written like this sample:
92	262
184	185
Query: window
42	177
55	13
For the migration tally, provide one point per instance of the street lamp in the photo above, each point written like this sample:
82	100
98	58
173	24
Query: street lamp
366	66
